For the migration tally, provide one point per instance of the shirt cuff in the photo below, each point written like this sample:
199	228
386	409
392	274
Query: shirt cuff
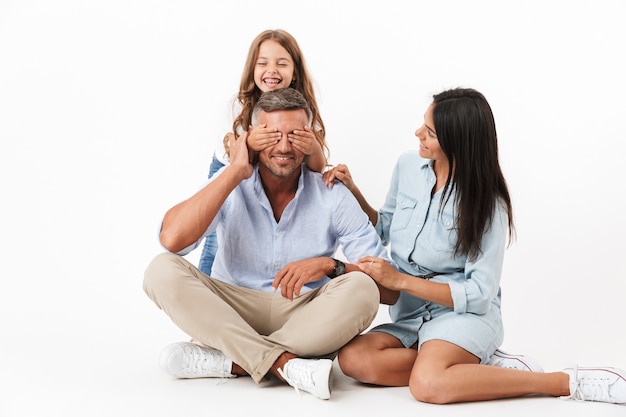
457	291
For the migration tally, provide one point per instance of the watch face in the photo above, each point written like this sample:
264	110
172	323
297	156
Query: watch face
340	269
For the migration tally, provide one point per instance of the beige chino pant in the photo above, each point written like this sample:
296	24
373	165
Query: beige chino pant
253	328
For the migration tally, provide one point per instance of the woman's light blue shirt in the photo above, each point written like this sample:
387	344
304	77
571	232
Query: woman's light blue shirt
422	239
253	246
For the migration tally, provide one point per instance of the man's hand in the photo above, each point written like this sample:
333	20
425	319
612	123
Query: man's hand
239	155
296	274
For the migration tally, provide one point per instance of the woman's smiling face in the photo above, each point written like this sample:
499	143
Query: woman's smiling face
429	143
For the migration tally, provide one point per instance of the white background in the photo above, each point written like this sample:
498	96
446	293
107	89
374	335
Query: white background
109	111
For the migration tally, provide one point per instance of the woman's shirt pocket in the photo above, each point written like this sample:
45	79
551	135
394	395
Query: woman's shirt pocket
443	232
404	211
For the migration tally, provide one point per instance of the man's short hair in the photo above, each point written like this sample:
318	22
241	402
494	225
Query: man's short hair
281	99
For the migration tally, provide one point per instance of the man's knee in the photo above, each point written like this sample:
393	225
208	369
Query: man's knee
159	274
362	293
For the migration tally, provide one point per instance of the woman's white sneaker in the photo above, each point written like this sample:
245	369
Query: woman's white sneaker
597	384
188	360
506	360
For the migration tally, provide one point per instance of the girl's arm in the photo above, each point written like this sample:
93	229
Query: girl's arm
317	160
305	141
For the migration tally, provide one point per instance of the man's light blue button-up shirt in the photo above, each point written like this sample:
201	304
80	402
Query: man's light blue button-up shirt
253	246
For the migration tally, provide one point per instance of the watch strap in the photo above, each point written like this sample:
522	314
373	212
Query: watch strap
339	269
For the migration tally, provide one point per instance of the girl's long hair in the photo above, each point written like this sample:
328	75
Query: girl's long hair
249	93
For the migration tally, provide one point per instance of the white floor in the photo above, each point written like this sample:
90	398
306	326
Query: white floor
94	364
109	110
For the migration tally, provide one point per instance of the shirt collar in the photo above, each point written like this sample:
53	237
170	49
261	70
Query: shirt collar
258	185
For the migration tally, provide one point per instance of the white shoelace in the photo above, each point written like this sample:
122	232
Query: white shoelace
202	361
594	389
300	377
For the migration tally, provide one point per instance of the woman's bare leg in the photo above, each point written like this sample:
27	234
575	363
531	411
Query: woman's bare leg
446	373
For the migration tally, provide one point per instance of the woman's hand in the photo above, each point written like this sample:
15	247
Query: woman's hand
340	173
381	272
385	276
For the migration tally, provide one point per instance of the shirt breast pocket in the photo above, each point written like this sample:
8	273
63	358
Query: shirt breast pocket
444	234
405	207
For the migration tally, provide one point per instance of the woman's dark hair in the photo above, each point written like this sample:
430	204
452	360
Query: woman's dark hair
466	130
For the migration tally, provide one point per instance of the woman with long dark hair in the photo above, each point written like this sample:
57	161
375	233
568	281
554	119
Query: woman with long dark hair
448	219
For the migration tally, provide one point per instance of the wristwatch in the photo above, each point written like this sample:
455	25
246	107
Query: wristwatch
339	269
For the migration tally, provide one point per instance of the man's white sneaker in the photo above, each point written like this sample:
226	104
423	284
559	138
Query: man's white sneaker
188	360
597	384
310	375
506	360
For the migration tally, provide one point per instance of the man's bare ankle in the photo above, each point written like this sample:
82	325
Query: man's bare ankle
238	370
280	364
